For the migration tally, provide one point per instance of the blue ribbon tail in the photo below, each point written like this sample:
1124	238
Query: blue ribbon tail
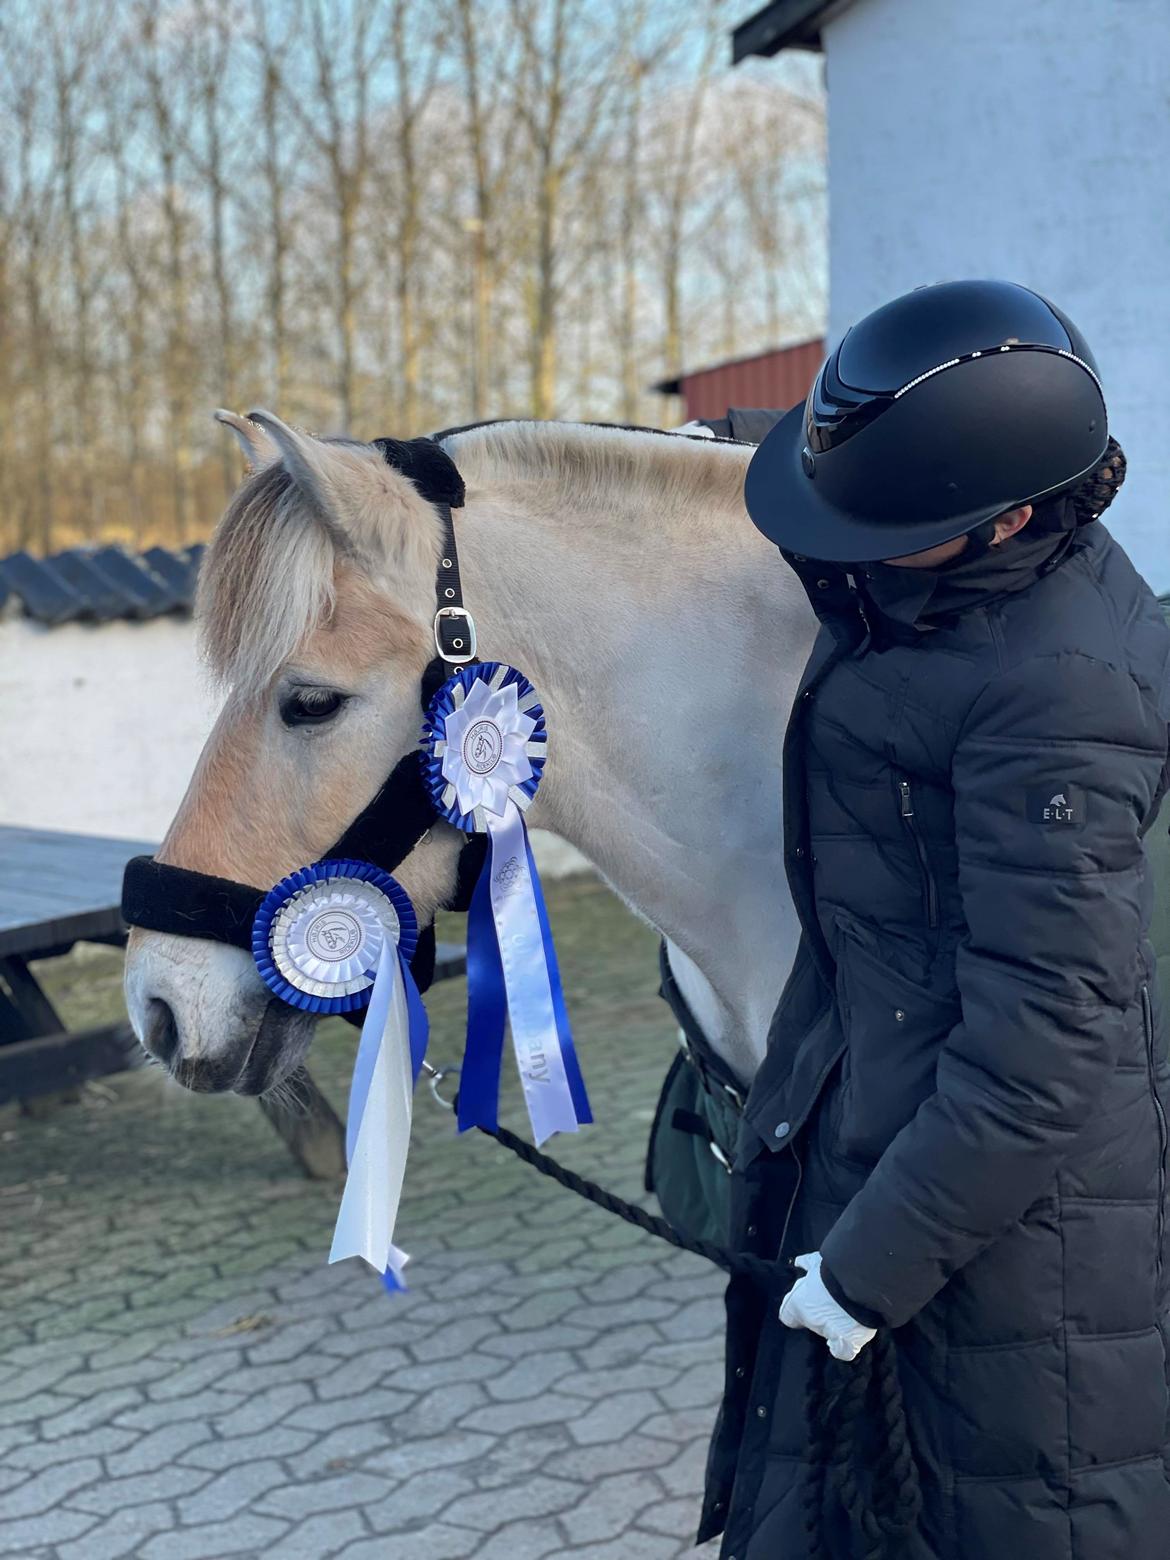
564	1033
487	1012
417	1018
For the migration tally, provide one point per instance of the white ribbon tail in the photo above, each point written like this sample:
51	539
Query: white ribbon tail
526	980
373	1187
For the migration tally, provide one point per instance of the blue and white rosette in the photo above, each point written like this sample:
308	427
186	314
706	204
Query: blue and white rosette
331	938
484	747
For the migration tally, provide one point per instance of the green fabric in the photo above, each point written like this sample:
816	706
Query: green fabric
689	1181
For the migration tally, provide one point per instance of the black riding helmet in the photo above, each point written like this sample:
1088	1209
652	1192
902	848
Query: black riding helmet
936	412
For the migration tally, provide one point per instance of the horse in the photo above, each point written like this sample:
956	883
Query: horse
618	570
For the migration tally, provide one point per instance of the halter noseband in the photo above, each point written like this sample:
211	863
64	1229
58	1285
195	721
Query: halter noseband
162	898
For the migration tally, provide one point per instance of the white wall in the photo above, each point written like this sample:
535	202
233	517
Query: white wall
1026	139
101	724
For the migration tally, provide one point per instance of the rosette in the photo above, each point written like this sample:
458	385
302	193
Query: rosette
330	938
484	747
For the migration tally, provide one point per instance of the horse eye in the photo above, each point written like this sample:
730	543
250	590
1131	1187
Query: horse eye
310	706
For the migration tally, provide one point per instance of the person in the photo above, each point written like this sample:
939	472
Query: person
956	1143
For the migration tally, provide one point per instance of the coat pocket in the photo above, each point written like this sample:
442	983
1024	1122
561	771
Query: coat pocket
894	1027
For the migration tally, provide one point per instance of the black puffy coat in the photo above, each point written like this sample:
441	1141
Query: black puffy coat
964	1101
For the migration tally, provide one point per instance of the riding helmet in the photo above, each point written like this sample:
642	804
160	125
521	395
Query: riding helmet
934	414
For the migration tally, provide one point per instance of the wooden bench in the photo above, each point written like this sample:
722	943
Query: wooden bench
59	889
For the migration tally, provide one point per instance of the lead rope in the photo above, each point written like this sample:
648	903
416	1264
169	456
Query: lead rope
838	1395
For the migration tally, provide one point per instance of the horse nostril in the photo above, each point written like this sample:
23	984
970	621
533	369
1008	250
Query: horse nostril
162	1033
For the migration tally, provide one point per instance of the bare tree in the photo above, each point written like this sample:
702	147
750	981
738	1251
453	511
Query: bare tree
360	211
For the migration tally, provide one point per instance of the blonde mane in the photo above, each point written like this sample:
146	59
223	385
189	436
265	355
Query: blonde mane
604	470
268	577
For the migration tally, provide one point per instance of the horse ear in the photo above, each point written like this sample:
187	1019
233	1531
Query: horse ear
307	460
258	448
369	508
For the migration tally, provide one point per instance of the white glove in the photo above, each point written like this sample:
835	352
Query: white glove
809	1304
696	429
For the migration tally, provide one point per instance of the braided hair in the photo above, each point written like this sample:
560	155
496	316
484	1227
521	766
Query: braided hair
1093	495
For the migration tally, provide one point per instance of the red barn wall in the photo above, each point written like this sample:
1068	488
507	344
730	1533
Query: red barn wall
779	379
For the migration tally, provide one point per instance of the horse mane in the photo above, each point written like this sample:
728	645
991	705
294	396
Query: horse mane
601	468
267	579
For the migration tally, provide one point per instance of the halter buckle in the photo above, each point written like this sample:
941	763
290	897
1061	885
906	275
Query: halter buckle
456	655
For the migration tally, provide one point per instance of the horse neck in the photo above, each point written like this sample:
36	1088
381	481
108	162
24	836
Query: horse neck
666	695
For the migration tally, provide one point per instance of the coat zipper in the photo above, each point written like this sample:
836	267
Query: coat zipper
929	887
1148	1023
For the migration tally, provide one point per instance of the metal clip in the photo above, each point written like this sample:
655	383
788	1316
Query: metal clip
717	1153
435	1076
463	650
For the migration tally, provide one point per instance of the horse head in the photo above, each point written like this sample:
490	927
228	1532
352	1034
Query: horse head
315	612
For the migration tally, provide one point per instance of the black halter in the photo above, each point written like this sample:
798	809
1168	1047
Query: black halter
164	898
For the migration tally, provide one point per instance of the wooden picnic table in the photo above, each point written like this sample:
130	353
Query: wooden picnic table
58	889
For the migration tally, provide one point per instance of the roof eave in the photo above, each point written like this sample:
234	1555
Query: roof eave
785	24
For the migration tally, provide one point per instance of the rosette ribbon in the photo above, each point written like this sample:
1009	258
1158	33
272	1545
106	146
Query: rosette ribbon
484	747
329	939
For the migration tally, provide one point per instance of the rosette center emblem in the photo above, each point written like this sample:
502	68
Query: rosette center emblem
483	747
334	935
487	747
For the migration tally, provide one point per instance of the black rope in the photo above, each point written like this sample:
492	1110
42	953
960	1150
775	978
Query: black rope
841	1398
767	1274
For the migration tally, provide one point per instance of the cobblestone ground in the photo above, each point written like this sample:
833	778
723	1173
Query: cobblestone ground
182	1376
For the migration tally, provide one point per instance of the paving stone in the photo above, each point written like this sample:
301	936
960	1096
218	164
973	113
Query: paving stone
549	1408
49	1527
47	1489
379	1403
432	1494
632	1545
408	1457
120	1535
611	1506
157	1448
206	1406
649	1374
39	1377
614	1417
332	1492
193	1378
160	1484
247	1535
523	1541
587	1463
537	1496
215	1455
318	1538
265	1409
90	1443
516	1457
677	1518
442	1373
439	1410
346	1445
233	1490
683	1475
697	1387
287	1342
545	1389
437	1542
536	1373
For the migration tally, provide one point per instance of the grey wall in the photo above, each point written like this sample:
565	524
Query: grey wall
1027	139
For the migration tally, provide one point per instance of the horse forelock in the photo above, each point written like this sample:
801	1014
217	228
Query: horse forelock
267	580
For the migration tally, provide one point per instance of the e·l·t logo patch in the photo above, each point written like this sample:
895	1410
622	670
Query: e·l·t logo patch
1057	805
